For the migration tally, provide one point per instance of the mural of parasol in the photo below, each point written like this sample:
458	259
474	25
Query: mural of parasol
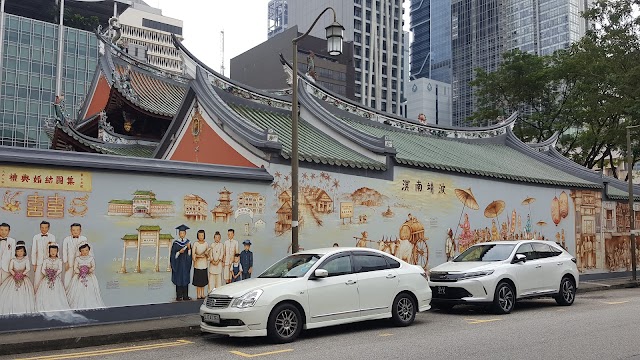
494	209
468	201
541	224
528	202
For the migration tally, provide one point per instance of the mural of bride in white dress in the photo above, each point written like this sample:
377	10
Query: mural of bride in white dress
51	295
84	290
16	292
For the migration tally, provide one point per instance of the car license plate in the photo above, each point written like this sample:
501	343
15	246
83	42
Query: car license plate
212	318
442	290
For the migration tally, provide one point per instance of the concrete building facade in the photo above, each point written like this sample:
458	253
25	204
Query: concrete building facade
432	99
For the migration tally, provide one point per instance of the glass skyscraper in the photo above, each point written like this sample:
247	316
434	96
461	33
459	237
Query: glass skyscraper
463	35
28	83
431	46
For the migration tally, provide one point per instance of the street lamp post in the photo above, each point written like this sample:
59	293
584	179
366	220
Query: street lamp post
631	198
334	47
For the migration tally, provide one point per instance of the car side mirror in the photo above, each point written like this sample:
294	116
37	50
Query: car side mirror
320	274
519	258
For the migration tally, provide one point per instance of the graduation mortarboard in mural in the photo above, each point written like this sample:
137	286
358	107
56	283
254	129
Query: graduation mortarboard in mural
182	227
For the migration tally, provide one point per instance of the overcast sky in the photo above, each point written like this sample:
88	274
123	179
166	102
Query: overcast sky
244	23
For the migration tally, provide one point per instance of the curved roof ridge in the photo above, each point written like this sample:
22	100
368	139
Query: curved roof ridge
411	125
224	82
140	64
368	141
546	144
249	132
561	163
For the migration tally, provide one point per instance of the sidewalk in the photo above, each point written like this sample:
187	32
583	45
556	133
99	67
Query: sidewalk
170	327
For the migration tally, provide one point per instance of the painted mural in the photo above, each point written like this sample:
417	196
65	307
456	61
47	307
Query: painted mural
130	239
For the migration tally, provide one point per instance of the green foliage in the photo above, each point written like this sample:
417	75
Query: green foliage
588	93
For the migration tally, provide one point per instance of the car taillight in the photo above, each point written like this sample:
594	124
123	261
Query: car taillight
574	260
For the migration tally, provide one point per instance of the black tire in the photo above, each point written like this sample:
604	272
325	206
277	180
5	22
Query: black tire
404	310
504	299
285	323
567	294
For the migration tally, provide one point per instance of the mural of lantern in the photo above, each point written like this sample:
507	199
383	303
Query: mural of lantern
555	210
564	205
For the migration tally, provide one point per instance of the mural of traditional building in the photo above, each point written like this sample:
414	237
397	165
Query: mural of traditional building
252	200
144	203
195	207
589	242
148	235
224	210
318	200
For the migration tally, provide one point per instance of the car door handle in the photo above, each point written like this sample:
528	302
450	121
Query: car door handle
538	266
350	282
391	276
560	263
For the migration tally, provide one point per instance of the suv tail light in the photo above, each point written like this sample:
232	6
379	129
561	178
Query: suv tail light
574	260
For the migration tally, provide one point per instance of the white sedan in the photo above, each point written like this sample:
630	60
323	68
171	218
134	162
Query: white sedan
317	288
500	273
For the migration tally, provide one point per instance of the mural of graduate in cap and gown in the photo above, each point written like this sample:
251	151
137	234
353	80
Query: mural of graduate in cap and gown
246	260
181	262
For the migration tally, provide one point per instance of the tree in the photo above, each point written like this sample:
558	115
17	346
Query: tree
589	92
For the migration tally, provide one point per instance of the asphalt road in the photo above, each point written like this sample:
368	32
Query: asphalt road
600	326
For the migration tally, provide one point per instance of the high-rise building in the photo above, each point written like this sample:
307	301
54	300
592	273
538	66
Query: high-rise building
146	34
29	77
278	17
431	46
452	39
375	27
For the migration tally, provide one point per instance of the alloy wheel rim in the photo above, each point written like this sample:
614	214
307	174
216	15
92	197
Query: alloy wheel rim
505	298
405	309
286	323
567	291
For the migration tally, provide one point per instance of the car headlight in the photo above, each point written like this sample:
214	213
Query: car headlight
247	300
475	274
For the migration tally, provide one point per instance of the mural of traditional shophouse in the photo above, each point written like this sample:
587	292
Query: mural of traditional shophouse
147	236
144	203
195	207
253	201
224	210
202	117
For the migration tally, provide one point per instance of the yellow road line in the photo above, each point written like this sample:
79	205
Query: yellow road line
239	353
386	334
111	351
481	321
615	302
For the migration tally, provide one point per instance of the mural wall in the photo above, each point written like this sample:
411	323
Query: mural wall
136	255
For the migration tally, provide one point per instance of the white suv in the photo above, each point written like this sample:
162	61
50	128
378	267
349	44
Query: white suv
499	273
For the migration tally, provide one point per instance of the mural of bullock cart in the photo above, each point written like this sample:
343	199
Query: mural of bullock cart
412	246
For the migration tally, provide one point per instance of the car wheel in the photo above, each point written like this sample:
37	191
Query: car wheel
567	294
285	323
504	298
404	310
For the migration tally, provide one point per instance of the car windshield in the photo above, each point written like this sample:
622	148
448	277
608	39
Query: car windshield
293	266
488	252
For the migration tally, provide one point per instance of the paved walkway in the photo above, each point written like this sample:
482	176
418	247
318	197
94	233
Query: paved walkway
164	328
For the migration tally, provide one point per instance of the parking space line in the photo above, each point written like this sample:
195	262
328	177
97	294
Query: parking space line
240	353
111	351
385	334
480	321
615	302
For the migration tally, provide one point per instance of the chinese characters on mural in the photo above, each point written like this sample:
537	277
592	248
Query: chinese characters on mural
426	187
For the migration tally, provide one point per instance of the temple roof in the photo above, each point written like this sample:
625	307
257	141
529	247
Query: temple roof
65	135
315	145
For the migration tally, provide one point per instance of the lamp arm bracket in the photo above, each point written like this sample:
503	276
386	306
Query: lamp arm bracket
314	23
